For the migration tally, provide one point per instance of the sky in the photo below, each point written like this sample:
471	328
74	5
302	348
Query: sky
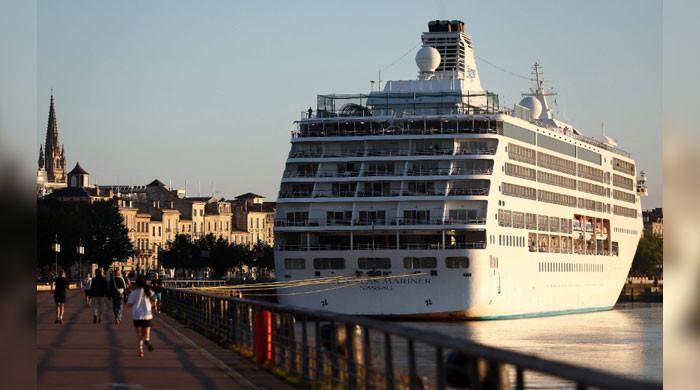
205	93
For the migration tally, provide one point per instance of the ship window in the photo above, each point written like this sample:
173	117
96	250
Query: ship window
419	262
615	248
329	263
457	262
294	263
374	263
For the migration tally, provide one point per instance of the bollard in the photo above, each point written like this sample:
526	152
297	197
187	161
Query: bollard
263	336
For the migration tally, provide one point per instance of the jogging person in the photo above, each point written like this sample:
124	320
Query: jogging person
117	289
140	303
98	292
59	286
157	285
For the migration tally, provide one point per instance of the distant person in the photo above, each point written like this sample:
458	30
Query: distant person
98	294
140	303
310	111
59	286
86	288
157	285
117	289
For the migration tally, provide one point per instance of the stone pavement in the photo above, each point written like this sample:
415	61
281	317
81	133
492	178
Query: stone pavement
81	355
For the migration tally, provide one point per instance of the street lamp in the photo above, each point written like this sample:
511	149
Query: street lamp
81	251
56	247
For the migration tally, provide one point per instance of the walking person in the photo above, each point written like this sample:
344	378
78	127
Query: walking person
98	294
117	291
59	286
86	288
140	303
157	285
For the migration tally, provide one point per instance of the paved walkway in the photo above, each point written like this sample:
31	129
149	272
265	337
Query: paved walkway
81	355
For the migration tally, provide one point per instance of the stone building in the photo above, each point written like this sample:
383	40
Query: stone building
253	220
653	222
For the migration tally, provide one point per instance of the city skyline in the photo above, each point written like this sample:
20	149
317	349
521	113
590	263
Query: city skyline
216	104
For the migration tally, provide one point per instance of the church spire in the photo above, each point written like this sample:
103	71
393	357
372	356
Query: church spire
53	153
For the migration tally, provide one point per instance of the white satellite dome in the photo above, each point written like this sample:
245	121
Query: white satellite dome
533	104
428	59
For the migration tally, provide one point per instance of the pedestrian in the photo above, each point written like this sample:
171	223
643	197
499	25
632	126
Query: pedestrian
86	288
59	286
140	303
117	291
157	285
98	294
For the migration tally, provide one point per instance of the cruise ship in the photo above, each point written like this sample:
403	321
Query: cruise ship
425	198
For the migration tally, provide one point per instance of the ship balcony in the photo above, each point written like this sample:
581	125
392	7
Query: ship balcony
369	240
385	222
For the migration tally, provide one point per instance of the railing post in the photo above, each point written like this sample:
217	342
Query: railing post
304	354
439	369
388	362
319	356
334	355
519	379
350	354
412	373
367	358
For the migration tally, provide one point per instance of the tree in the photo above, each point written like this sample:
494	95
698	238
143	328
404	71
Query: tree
649	258
263	257
109	239
97	226
180	254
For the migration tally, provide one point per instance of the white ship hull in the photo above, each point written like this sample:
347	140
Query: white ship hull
515	289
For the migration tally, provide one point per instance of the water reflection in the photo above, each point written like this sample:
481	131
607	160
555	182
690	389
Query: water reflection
627	340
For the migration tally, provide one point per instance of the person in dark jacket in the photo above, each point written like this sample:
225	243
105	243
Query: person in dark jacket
117	289
59	287
98	296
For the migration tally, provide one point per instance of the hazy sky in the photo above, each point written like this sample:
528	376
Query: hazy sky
206	91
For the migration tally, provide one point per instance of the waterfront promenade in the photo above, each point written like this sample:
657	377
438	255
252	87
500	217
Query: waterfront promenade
80	354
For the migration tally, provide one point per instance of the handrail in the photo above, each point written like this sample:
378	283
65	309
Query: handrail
234	321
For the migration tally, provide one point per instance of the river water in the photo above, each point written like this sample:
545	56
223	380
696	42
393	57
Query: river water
627	340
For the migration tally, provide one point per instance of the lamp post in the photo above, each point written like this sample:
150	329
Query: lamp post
56	250
81	251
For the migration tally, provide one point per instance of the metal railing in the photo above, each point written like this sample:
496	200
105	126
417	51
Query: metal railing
188	283
324	350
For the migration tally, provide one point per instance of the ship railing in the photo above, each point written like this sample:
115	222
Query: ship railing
334	194
304	154
428	172
373	246
433	152
471	171
386	153
388	132
299	174
321	349
380	172
476	151
368	194
424	193
353	153
468	191
336	173
294	194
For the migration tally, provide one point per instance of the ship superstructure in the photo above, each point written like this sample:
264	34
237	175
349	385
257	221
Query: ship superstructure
439	202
